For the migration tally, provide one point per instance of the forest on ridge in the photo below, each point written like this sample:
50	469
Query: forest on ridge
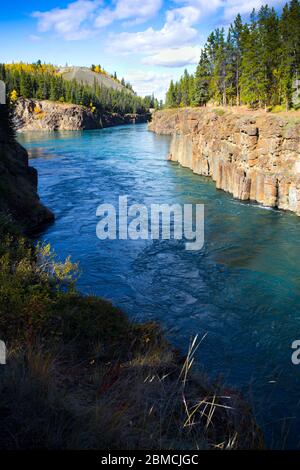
257	64
42	81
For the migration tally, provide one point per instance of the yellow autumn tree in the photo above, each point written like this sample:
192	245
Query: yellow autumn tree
13	96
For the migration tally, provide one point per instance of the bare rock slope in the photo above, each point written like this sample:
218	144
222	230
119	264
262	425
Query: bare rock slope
253	156
88	77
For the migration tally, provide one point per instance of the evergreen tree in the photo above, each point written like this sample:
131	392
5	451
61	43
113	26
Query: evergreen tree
236	31
253	79
258	64
185	89
25	85
202	80
289	67
170	97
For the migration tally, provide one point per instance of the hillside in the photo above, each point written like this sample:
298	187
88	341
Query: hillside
88	77
79	86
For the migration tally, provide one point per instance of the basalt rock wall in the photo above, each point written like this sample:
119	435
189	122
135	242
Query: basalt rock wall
254	157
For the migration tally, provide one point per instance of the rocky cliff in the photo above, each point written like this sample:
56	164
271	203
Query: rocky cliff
39	115
254	156
19	200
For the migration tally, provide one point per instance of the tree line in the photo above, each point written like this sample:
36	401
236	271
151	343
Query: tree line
256	64
41	81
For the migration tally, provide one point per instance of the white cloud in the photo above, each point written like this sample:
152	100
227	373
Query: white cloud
146	83
34	37
83	18
233	7
80	19
178	30
71	22
228	9
174	57
136	11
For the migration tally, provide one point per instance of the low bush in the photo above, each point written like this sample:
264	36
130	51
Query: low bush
219	111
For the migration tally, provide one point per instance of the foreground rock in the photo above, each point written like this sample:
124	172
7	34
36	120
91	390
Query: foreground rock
254	157
19	200
41	115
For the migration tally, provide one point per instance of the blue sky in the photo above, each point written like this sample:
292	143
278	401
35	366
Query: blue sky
149	42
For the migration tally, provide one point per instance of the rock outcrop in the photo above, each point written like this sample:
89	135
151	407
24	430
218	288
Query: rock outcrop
253	156
19	200
41	115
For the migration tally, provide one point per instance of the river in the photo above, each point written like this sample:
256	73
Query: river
242	289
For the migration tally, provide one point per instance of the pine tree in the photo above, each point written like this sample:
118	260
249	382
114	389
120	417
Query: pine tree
268	52
202	80
171	97
25	85
289	68
218	81
236	31
253	78
185	89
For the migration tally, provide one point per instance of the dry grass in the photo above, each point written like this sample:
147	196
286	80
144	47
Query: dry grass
291	115
48	400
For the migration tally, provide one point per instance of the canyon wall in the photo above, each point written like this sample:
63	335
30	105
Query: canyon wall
19	200
254	156
42	115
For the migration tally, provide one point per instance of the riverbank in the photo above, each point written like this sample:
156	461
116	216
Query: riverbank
81	375
253	155
42	115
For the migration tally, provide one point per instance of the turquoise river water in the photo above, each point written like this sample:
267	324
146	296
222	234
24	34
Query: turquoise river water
242	289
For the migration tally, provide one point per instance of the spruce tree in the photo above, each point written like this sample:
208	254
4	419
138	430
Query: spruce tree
185	89
170	97
236	31
202	80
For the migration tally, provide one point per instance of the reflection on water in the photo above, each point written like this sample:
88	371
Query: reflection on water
242	289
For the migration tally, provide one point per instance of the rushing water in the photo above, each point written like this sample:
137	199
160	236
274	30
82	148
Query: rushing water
242	288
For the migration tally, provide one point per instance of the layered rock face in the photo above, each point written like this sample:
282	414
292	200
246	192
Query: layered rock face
19	200
32	115
252	156
39	115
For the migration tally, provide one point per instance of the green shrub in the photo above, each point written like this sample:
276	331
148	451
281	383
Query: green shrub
219	111
278	108
38	298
